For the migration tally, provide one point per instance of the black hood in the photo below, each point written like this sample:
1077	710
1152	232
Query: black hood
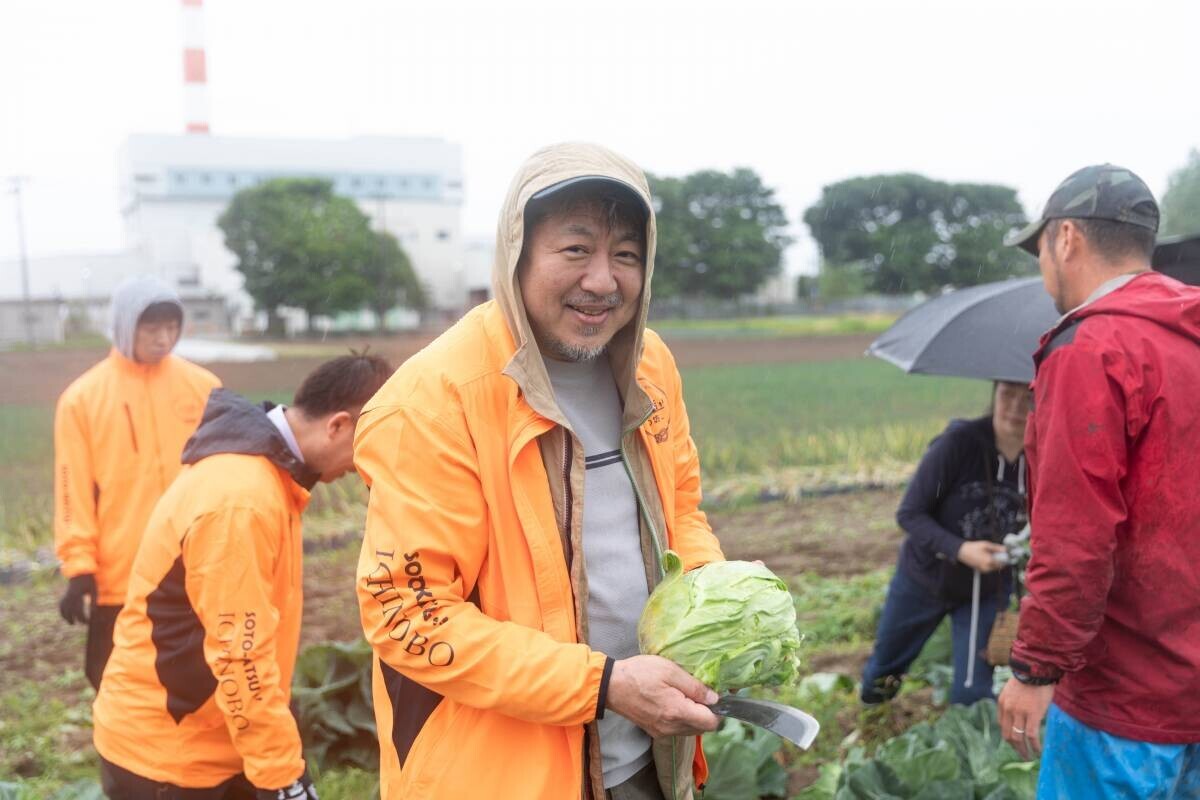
979	429
232	424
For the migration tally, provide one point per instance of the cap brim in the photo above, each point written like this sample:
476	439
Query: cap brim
601	182
1027	237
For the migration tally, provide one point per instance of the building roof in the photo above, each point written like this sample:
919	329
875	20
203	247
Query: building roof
381	153
192	166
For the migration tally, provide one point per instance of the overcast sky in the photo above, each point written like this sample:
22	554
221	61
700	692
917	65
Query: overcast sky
805	93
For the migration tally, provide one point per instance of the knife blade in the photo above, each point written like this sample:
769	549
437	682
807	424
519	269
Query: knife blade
790	723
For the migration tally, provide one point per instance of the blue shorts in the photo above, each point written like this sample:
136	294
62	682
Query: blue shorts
1082	763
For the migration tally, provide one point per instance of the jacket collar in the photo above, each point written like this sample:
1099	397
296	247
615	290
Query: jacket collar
130	367
232	424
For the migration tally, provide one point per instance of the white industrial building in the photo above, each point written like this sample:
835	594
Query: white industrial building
173	189
70	294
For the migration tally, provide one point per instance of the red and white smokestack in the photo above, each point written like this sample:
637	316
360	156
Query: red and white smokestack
195	85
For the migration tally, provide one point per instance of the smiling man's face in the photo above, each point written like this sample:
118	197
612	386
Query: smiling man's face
581	276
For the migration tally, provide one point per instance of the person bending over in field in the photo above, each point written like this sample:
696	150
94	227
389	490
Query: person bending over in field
967	494
194	702
118	432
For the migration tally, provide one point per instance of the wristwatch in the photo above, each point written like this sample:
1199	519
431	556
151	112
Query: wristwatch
1033	676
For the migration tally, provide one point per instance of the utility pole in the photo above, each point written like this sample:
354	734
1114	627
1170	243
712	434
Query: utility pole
27	308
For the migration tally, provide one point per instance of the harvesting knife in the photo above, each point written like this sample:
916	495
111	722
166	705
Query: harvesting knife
790	723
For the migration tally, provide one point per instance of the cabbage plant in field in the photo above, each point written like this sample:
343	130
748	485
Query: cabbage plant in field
332	694
742	763
961	755
731	624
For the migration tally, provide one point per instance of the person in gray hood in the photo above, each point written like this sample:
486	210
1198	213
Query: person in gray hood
119	430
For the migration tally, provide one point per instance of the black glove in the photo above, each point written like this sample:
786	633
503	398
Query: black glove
72	606
301	789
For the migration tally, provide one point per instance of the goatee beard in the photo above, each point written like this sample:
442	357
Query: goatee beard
575	353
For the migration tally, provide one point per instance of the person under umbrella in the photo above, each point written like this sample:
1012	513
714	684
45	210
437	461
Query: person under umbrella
968	493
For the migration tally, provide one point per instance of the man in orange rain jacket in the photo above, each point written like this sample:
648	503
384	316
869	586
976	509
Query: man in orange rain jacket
194	702
118	432
499	588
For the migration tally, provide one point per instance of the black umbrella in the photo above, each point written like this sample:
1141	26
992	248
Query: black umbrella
1179	257
989	331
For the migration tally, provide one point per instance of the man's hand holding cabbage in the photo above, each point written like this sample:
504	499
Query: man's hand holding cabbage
725	626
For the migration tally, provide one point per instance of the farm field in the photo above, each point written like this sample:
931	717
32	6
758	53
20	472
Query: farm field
774	414
805	446
768	326
842	546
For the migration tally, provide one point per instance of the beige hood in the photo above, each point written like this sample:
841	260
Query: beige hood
548	167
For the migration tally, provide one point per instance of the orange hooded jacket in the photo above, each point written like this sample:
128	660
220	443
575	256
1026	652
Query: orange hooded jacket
118	431
468	595
198	685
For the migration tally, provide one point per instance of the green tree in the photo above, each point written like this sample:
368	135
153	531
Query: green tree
807	287
719	234
1181	202
836	283
390	279
298	244
904	233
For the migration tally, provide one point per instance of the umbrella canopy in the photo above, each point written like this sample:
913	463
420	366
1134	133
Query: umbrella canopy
988	331
1179	257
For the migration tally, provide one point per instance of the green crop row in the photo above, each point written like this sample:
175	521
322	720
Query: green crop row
751	418
778	326
747	420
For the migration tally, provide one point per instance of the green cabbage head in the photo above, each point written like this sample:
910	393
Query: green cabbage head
731	624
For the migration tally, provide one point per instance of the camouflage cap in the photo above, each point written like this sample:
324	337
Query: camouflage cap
1103	191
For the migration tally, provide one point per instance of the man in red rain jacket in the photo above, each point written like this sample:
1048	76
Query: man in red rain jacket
1110	629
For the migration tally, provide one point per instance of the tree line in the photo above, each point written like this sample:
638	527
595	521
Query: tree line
720	235
300	245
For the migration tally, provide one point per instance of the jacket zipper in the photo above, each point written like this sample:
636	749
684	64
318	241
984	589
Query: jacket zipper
567	498
132	432
641	501
162	478
587	794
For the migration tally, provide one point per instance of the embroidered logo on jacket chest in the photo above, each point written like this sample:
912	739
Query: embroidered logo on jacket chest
188	409
658	424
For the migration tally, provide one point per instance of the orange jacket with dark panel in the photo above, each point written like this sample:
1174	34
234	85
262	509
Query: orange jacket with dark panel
198	686
468	588
463	585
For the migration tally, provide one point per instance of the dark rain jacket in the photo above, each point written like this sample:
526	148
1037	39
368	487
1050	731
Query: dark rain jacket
1114	448
198	685
963	490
